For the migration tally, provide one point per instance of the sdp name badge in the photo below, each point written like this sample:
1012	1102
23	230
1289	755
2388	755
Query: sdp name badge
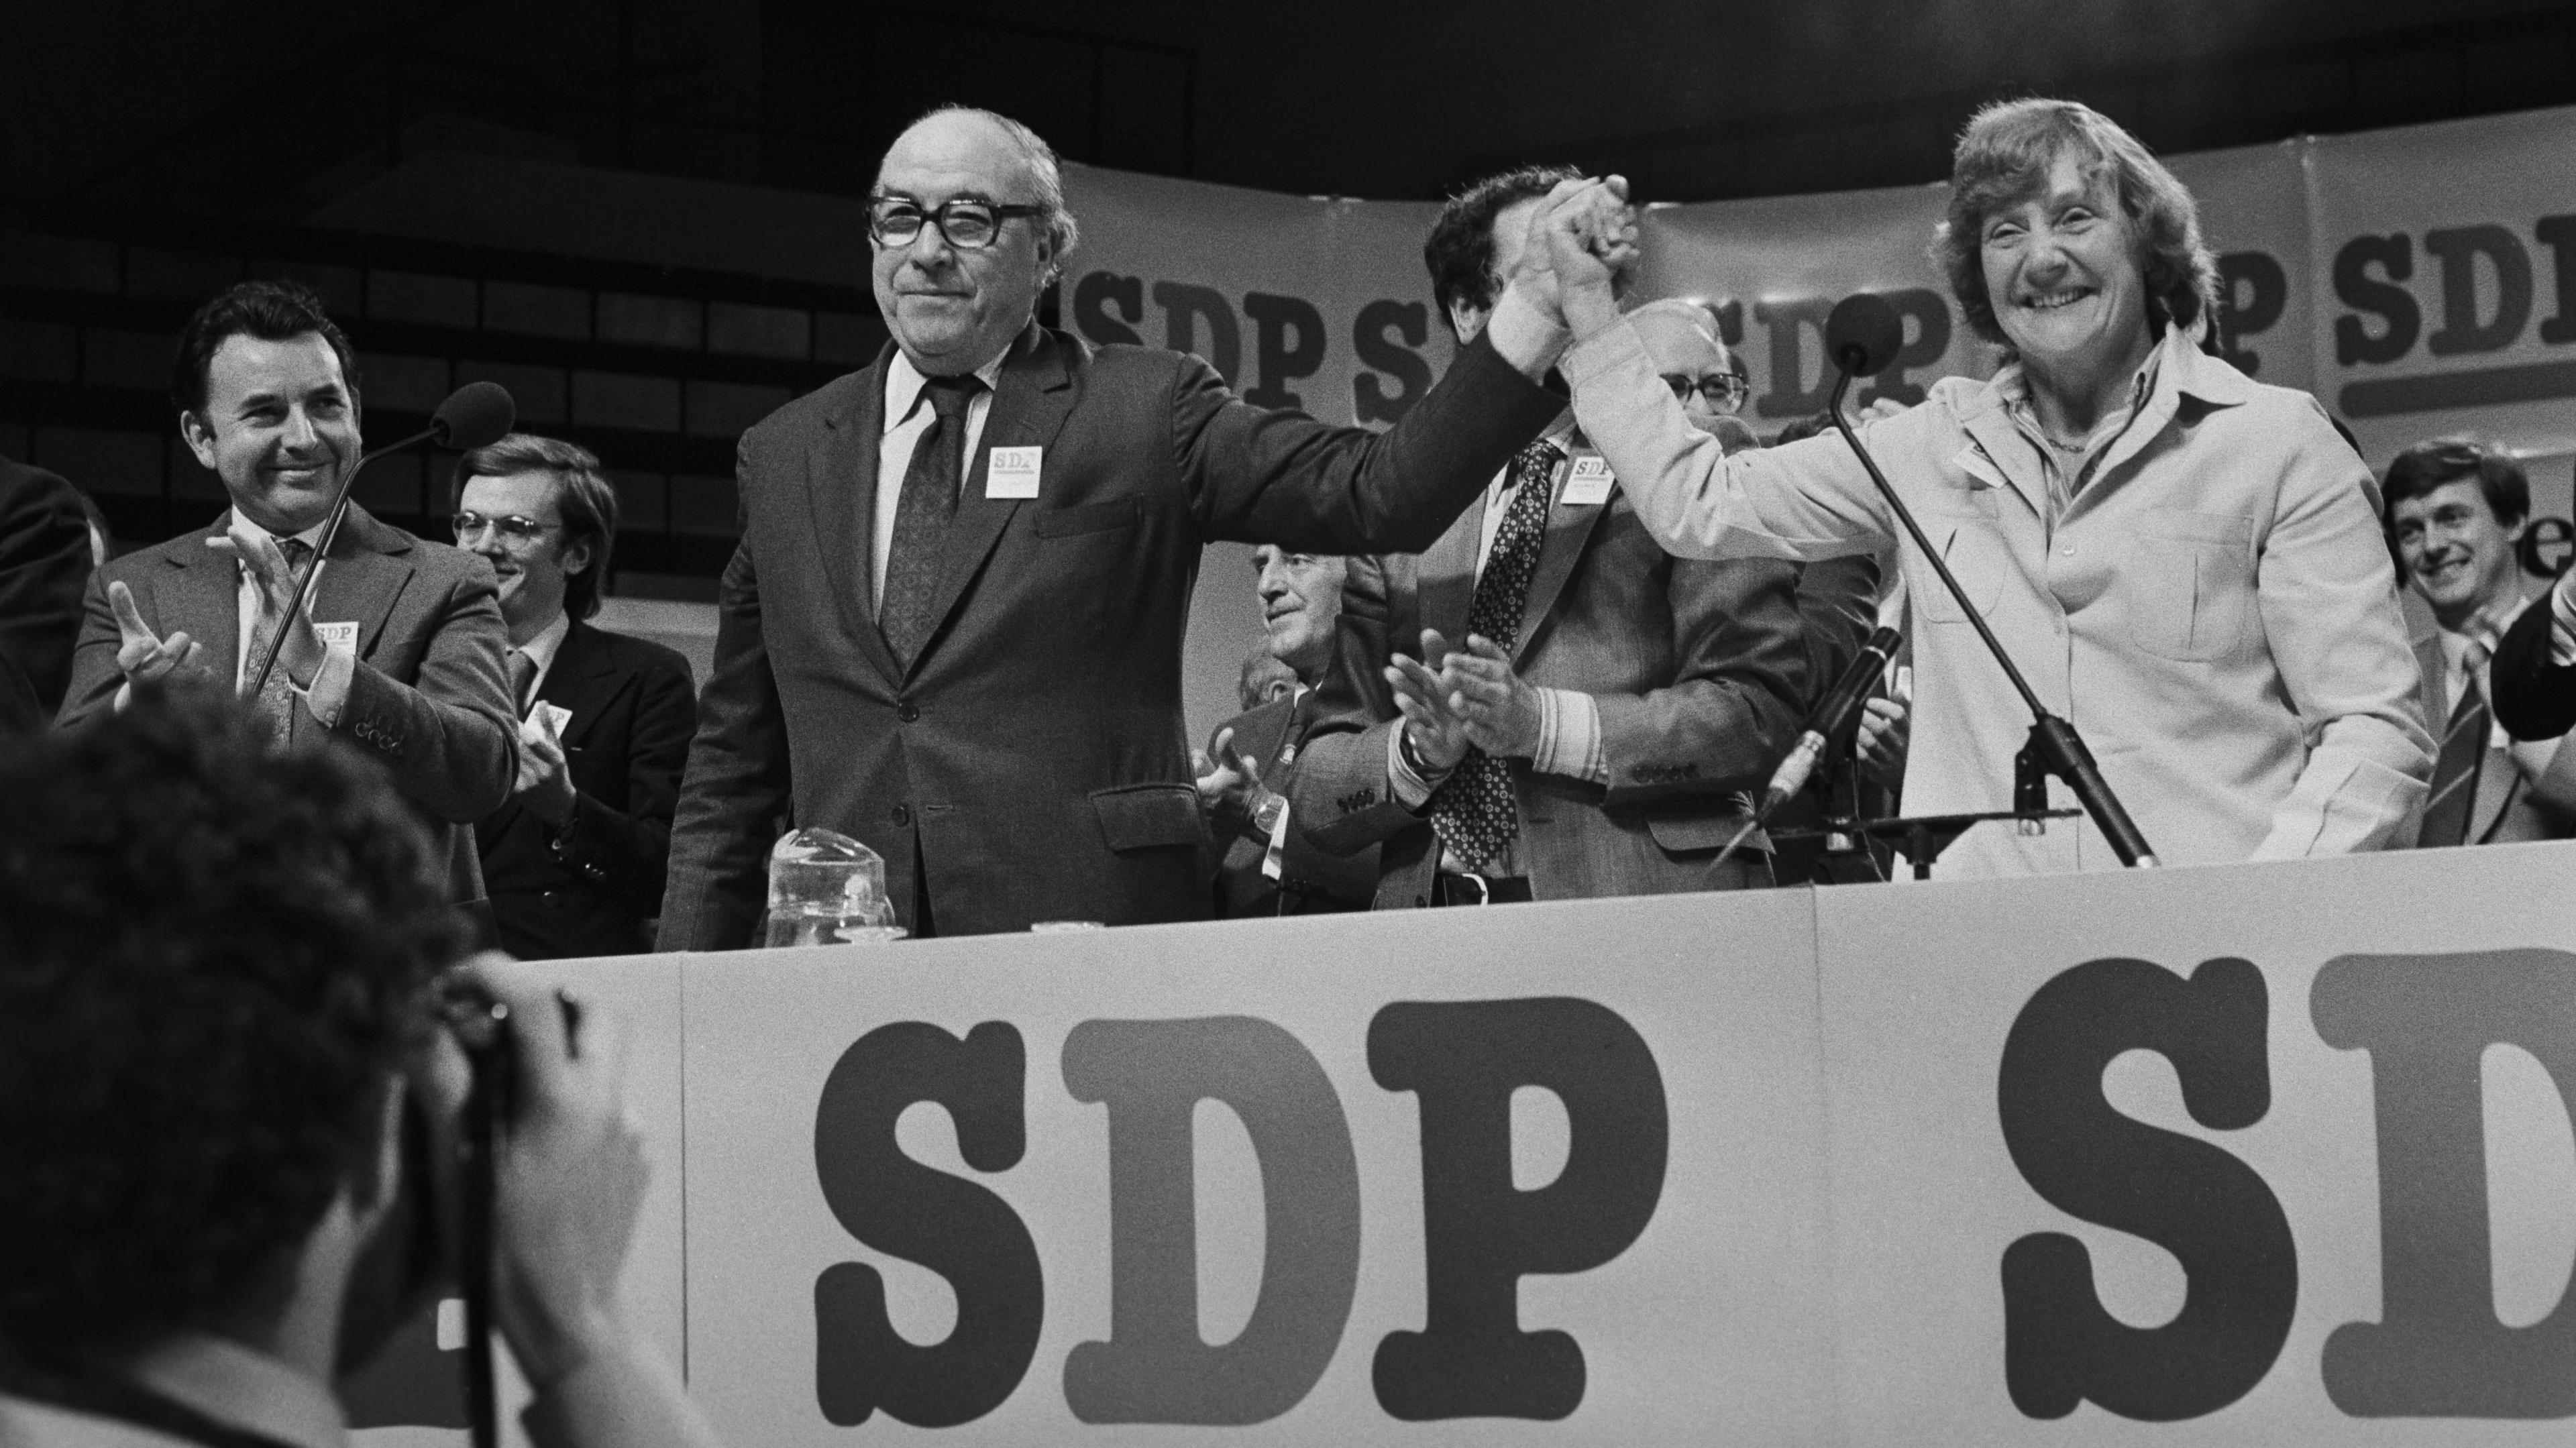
1012	472
1587	484
342	636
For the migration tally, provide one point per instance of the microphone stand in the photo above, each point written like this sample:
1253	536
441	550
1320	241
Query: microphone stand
2053	747
330	535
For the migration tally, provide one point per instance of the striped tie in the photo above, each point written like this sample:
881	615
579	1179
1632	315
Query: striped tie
2463	754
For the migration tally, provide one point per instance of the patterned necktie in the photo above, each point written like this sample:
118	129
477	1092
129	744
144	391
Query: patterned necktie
523	680
1472	810
2463	754
921	517
277	697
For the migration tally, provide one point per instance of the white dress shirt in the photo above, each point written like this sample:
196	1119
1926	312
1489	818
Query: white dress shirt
905	421
543	648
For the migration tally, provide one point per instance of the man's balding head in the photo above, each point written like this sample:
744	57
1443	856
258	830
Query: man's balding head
1680	338
954	309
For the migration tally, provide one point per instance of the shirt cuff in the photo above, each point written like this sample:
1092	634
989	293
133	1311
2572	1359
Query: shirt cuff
1273	859
1524	337
1569	736
328	694
1604	350
1405	786
2562	621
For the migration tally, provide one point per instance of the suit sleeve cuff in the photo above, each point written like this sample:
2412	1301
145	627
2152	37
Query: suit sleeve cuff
1524	337
328	695
1274	858
1569	736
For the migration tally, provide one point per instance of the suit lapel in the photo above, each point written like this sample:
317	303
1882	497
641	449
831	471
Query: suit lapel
580	681
1034	395
202	598
1568	529
1448	579
841	492
370	566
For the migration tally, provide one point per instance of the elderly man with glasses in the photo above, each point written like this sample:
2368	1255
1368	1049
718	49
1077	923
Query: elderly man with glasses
953	627
574	862
1566	712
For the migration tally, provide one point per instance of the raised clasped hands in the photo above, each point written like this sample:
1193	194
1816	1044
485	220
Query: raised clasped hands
1581	247
300	657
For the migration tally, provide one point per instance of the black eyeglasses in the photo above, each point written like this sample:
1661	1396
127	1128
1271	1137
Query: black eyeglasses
515	531
967	224
1724	391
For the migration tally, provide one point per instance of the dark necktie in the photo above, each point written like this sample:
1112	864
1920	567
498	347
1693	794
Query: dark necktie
921	517
523	680
277	698
1472	811
2463	754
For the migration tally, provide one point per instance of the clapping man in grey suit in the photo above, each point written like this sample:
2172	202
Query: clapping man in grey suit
1584	713
953	627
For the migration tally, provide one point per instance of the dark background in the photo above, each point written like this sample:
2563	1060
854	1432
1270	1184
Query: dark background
282	102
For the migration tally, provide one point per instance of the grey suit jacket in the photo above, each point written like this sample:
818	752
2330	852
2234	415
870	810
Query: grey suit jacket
2505	810
430	700
1030	763
1699	670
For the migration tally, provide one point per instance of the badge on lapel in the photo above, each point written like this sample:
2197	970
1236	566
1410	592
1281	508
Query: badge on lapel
1012	472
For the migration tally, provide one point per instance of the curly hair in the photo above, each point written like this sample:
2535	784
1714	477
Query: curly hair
213	959
1460	250
2004	157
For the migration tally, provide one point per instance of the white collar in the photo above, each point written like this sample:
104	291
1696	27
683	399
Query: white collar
549	639
904	383
310	537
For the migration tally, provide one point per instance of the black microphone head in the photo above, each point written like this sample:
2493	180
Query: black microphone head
1865	324
477	414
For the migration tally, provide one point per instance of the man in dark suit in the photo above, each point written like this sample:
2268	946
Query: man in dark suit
399	653
1586	713
1269	869
953	627
574	863
44	560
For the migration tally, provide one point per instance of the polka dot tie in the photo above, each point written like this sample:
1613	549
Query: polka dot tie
1472	810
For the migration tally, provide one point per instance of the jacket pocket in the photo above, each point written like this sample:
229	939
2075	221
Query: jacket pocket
1685	834
1146	816
2189	579
1090	518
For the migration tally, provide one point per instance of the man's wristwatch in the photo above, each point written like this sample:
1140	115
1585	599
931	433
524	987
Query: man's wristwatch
1413	759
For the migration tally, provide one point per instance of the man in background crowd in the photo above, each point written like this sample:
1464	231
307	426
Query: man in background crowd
398	654
45	558
574	863
2457	508
1573	713
1268	868
206	1047
953	627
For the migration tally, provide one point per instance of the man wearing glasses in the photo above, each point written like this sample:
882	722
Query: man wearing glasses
574	862
953	627
1572	713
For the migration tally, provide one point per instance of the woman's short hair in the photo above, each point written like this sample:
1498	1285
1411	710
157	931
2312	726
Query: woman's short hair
2004	157
584	498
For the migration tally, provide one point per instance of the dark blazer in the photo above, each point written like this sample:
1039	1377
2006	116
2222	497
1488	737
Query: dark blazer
1310	882
1032	762
1699	670
2535	698
429	701
44	561
589	891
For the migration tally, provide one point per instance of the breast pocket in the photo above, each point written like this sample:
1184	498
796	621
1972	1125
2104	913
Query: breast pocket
1975	553
1106	517
2189	582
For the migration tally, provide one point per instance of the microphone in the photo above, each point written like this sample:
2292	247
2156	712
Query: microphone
1831	717
1862	335
477	414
